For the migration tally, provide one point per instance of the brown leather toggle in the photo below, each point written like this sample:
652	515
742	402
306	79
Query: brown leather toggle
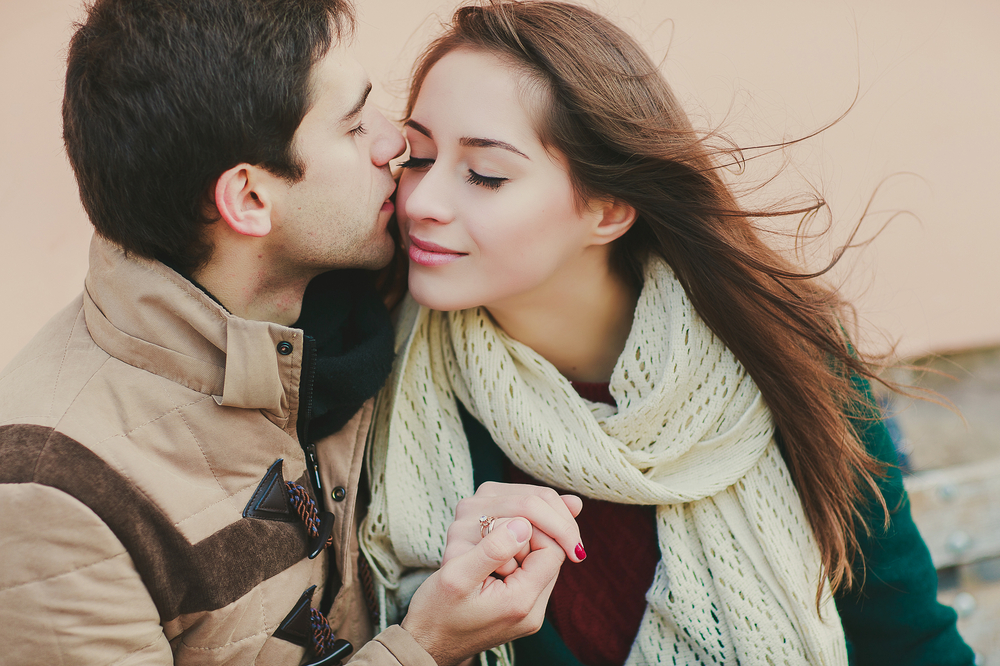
306	626
322	539
341	648
270	500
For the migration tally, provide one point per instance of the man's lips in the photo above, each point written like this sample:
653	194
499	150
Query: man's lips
388	205
426	253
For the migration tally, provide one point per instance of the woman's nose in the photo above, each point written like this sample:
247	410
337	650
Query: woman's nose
424	196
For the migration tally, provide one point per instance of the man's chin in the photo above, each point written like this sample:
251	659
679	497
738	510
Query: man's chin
379	255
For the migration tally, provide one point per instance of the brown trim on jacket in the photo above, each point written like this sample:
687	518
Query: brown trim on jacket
181	577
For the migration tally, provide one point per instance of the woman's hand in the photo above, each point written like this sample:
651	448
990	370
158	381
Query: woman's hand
548	512
463	609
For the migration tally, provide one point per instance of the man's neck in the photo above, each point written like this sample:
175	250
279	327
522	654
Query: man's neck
249	288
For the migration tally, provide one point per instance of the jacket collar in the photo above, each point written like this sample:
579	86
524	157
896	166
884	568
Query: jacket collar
151	317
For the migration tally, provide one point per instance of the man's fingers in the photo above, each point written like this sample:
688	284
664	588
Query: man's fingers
455	548
507	568
495	550
512	565
535	578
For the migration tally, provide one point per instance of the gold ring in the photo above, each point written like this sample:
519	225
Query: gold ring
486	525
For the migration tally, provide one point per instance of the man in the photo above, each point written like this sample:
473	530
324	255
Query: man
181	448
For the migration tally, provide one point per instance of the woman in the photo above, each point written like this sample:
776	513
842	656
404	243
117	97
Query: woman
599	315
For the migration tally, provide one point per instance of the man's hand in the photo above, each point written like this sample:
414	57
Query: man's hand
462	609
544	508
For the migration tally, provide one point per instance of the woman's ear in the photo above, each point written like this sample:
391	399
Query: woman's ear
243	201
617	217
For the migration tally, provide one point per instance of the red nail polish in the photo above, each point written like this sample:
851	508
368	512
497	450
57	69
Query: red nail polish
581	554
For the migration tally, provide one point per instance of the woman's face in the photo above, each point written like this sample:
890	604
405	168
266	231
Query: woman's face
488	217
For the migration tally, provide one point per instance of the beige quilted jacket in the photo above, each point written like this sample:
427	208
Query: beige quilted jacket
136	429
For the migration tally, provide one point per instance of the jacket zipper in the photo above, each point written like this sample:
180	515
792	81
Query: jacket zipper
305	414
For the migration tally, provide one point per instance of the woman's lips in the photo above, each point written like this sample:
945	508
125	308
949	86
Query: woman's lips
431	254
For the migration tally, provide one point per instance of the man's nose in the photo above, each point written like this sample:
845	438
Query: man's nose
388	143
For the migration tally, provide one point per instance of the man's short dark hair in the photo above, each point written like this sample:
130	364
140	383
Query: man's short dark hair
163	96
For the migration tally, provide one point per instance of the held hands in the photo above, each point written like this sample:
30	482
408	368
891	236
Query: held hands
463	608
547	511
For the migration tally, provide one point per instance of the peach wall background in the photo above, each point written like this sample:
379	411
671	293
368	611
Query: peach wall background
766	71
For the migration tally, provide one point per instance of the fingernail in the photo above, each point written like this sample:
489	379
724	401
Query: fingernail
581	554
520	529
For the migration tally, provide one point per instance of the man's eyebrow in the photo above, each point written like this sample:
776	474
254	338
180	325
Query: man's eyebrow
469	141
360	105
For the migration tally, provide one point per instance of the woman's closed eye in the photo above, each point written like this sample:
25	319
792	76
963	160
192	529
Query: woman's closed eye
424	163
416	163
489	182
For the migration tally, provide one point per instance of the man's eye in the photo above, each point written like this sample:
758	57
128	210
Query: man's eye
489	182
416	163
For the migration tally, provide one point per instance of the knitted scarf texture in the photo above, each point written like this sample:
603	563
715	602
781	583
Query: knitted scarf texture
691	435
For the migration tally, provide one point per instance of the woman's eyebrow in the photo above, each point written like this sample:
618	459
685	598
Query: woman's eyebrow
490	143
420	128
468	141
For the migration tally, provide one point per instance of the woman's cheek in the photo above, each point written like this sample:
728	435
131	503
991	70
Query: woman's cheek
403	218
402	223
402	196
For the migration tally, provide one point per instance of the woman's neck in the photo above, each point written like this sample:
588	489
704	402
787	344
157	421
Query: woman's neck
580	324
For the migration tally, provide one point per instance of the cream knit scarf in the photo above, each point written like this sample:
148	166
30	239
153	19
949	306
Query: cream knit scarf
737	577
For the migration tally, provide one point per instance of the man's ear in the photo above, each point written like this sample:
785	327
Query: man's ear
617	217
243	201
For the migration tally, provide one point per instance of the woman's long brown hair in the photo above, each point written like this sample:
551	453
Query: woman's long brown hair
612	115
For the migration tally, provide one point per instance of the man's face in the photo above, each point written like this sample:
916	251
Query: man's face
336	216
